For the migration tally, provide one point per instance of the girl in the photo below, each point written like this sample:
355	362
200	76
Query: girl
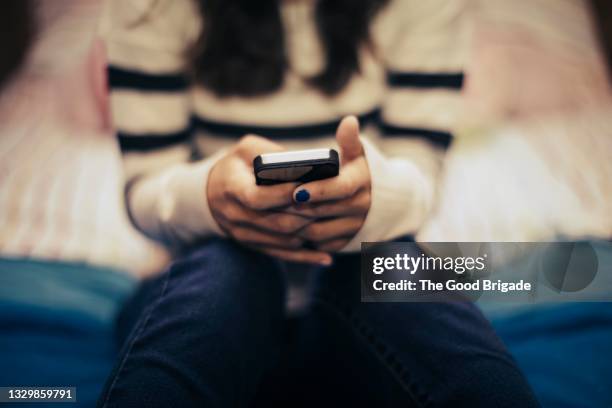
199	88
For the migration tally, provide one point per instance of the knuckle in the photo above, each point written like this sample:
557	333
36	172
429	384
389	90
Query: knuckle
344	185
302	222
327	209
249	198
245	144
257	204
357	224
290	224
229	195
224	224
232	213
304	214
319	210
322	191
237	233
283	224
261	204
255	200
307	233
366	199
313	232
247	139
368	182
368	195
350	186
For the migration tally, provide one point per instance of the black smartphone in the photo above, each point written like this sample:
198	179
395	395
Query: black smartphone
298	165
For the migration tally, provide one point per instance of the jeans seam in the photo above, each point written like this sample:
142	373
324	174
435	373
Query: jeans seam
418	397
136	336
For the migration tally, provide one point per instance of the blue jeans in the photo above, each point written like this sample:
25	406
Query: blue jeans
212	332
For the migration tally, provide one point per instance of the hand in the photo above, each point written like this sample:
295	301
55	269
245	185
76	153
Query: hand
341	203
250	213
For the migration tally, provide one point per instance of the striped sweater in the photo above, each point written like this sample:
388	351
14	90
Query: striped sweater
171	132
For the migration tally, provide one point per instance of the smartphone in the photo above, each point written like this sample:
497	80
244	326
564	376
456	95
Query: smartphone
299	165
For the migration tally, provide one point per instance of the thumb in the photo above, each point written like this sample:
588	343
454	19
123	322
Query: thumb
252	145
347	137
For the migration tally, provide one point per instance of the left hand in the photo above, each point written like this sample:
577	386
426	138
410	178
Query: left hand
340	204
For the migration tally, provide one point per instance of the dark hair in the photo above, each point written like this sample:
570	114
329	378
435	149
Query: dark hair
241	49
17	21
602	11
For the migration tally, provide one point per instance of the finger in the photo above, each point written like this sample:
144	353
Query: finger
331	229
250	146
263	197
347	136
357	204
241	186
334	245
351	178
302	256
255	237
283	223
223	223
274	222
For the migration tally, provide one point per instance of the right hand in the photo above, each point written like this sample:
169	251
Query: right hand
250	213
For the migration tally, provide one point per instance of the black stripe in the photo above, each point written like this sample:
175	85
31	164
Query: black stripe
278	132
425	80
119	78
144	142
437	137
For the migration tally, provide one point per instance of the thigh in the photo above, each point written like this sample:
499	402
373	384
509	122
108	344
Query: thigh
409	354
210	325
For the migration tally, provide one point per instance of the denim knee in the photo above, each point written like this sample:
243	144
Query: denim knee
213	324
226	272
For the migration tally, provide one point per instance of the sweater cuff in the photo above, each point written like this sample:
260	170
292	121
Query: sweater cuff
401	198
172	207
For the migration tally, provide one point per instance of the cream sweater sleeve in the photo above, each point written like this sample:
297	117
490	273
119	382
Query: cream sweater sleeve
150	104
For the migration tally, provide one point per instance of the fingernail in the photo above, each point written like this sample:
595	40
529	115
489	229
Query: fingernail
302	196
